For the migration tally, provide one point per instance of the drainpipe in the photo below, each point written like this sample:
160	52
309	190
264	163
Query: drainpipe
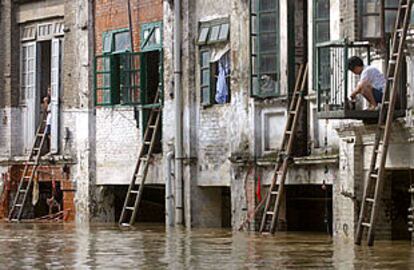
169	197
178	115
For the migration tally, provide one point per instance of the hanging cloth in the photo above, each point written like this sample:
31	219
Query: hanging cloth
222	90
35	192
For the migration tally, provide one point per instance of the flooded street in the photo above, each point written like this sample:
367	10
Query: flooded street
46	246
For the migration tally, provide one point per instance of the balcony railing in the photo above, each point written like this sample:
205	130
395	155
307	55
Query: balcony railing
335	82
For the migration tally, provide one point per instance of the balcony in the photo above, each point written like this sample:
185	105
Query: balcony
334	83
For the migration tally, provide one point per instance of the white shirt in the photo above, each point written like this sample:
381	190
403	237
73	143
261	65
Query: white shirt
372	75
49	114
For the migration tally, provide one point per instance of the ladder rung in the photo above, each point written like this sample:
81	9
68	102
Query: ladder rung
288	132
365	224
36	149
18	205
134	191
274	192
144	158
371	200
14	220
152	126
147	143
292	112
390	78
130	208
404	6
270	213
125	224
373	175
22	190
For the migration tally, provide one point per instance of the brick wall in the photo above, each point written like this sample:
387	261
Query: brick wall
349	19
112	15
213	146
45	174
117	137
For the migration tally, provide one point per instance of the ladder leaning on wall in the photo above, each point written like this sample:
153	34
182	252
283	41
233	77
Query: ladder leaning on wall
30	168
277	187
136	187
375	179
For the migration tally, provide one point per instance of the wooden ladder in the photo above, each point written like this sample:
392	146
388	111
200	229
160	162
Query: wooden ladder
136	187
30	167
375	179
276	190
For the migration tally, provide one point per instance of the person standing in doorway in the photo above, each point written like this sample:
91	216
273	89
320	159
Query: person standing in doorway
47	107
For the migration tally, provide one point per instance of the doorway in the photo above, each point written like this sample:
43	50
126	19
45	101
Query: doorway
397	210
151	83
309	208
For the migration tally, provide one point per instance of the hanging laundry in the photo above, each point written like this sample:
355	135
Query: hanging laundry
35	193
222	90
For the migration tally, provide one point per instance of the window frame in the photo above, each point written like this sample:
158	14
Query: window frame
152	26
207	86
116	72
382	14
316	41
255	74
209	25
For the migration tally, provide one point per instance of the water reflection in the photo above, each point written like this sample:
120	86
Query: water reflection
65	246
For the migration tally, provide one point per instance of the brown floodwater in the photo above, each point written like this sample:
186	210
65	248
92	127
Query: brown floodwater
66	246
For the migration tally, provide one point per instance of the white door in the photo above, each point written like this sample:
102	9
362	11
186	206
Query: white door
29	83
55	87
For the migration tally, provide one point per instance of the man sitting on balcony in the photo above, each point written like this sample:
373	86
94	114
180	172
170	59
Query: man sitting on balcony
371	83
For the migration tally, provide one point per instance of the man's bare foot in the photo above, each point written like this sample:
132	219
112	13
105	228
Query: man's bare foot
371	107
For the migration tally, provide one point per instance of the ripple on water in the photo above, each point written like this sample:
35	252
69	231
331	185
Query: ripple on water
66	246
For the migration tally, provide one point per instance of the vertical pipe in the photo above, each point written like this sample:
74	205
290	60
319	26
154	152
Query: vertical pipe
169	192
178	115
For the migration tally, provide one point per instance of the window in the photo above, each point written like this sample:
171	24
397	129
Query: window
264	48
215	76
45	31
213	32
206	97
214	62
322	57
28	33
117	74
58	29
374	22
151	36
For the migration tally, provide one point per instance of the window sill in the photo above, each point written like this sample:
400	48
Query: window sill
224	105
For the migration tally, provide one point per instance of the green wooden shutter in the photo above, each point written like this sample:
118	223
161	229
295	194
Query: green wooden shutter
129	68
322	56
115	79
205	78
103	80
264	48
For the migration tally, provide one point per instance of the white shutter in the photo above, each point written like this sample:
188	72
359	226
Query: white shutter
29	82
55	85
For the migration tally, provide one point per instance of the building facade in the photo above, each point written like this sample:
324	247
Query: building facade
239	60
